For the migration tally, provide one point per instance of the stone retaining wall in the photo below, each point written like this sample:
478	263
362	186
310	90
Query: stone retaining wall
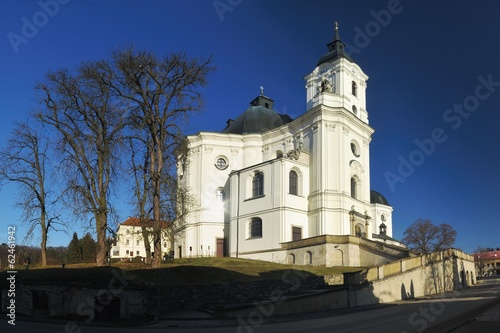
196	297
105	304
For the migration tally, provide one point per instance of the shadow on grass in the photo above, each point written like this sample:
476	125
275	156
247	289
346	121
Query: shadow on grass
203	275
185	272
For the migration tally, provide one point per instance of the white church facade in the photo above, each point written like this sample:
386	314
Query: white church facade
288	190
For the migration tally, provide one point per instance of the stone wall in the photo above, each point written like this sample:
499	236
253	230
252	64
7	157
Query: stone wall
331	250
104	304
87	302
404	279
231	294
415	277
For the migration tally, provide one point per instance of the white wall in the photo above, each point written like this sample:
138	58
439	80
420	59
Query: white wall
136	244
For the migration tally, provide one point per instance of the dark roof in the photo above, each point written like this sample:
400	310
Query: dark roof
336	50
384	237
377	198
258	118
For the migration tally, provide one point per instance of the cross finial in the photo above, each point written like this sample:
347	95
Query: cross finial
336	26
261	90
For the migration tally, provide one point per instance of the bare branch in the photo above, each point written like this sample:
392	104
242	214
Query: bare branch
23	162
424	237
89	123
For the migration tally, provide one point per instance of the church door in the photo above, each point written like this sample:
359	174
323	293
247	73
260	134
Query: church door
220	247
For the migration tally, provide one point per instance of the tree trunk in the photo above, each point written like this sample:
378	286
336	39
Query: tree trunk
101	220
43	247
146	238
156	231
156	157
43	244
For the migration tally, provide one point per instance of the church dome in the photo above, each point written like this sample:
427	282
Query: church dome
258	118
377	198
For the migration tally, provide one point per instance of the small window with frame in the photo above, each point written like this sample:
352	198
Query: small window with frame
255	228
221	163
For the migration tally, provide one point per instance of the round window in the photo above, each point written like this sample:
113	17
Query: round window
221	163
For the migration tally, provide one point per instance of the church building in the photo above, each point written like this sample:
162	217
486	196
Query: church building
286	190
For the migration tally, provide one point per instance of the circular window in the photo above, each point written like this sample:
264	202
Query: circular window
382	218
221	163
354	149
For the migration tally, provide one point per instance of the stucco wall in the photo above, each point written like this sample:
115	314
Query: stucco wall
414	277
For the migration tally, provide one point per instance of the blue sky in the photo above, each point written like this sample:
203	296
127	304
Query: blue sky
422	57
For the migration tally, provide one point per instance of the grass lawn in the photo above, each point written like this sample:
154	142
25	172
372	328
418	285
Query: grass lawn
181	272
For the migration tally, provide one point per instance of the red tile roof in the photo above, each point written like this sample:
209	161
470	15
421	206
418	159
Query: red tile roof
136	222
489	255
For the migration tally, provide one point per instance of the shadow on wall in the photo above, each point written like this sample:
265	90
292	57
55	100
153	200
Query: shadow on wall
360	292
405	294
447	275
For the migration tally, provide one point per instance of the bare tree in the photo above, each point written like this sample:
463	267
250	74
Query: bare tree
480	259
24	162
424	237
88	121
160	91
140	166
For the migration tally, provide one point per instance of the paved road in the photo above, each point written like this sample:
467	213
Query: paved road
450	312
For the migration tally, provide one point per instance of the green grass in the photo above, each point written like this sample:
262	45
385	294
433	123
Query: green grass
181	272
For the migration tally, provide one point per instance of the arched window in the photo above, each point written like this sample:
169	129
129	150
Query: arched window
258	184
354	88
255	228
382	229
220	195
359	230
354	185
279	154
308	258
293	183
291	258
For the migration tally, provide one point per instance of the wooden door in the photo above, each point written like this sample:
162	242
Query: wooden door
220	247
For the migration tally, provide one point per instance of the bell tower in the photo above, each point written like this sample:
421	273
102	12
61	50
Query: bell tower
340	153
337	81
